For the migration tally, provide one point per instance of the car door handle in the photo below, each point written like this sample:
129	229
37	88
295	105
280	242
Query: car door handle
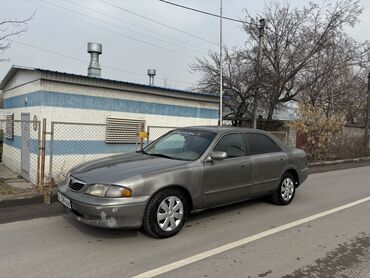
283	157
244	164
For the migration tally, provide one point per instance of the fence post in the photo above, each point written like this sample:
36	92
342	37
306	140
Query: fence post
43	146
39	185
147	139
51	153
46	191
141	138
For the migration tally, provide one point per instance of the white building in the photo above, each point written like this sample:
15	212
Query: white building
34	94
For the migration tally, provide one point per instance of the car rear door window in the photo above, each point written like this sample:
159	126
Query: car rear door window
260	143
232	144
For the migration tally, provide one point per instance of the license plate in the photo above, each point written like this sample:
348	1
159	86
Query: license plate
64	200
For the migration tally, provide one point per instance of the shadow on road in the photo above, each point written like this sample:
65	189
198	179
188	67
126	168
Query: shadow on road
193	219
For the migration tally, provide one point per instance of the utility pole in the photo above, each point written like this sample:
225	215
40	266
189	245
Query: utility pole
258	70
367	116
221	87
262	28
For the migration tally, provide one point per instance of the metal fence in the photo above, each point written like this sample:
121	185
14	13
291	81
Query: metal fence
20	147
74	143
69	144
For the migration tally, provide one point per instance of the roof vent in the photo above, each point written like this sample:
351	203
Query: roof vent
151	73
95	49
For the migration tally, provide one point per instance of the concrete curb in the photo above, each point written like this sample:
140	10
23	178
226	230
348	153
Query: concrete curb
24	199
340	161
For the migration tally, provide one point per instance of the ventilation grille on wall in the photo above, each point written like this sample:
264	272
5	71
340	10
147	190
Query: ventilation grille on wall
123	131
9	127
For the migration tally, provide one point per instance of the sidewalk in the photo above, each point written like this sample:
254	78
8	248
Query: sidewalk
13	184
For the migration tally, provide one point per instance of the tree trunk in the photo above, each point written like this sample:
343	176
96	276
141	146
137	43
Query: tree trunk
270	112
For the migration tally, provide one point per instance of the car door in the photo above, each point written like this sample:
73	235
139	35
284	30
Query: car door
268	162
228	180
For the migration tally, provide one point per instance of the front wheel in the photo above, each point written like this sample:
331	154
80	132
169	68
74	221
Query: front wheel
165	214
284	194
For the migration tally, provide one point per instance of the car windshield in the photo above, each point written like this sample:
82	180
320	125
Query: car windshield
181	144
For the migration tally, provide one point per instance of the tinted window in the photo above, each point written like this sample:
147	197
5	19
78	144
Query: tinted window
259	143
232	144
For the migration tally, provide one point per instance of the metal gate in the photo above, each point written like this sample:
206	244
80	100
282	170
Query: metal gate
21	147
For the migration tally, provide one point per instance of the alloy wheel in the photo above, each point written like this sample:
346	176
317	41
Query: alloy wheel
287	189
170	213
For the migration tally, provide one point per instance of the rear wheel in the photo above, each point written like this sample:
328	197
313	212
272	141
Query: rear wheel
165	214
284	194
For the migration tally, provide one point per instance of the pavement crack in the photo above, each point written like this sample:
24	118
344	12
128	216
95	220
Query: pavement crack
336	263
265	273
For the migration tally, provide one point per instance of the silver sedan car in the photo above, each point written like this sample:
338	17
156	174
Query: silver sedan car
186	170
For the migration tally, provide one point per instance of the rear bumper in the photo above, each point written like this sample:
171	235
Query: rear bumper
303	174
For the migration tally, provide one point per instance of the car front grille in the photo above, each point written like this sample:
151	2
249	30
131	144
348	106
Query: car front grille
75	184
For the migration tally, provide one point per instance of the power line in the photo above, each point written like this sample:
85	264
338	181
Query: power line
157	22
223	17
207	13
138	26
86	61
129	30
106	29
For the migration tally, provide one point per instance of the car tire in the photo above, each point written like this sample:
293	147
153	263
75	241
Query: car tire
284	194
165	213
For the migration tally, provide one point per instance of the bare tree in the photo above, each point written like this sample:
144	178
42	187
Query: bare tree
340	75
294	40
238	79
301	47
10	28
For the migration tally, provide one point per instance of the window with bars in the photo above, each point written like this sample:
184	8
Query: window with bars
123	131
9	127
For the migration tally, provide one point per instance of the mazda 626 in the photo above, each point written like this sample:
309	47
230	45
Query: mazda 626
185	171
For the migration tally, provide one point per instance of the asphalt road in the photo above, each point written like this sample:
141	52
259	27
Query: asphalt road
334	243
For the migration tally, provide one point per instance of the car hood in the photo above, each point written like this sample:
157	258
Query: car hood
120	167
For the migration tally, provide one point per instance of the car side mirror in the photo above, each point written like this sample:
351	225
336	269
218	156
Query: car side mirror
218	155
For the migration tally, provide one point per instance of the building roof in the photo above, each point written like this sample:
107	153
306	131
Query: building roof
107	83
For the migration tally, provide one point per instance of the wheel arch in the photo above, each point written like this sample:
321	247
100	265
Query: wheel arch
295	175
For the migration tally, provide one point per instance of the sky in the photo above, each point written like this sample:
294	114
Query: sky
58	34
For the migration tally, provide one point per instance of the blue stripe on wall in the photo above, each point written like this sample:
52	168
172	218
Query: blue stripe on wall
90	147
16	143
54	99
85	147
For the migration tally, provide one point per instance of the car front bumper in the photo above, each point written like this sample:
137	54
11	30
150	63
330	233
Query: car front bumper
105	212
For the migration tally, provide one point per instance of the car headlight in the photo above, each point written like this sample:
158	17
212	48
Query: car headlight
110	191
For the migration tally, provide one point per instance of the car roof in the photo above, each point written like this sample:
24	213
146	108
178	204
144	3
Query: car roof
223	129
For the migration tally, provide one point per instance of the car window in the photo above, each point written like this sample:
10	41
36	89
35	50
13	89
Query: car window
181	144
232	144
177	141
260	143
